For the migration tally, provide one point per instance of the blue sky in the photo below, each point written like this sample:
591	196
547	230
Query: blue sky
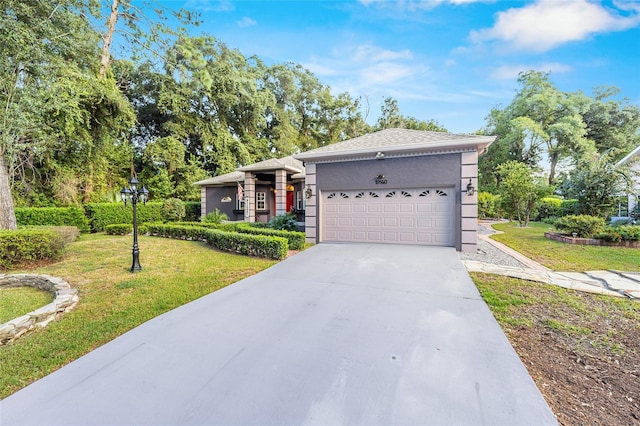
447	60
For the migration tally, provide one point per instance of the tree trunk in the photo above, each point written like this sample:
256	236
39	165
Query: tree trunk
7	212
553	162
105	59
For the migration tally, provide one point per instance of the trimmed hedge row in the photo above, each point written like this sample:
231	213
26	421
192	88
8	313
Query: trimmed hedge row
296	239
615	234
584	226
29	245
103	214
52	216
253	245
118	229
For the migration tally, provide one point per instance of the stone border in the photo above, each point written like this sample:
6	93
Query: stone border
590	241
65	299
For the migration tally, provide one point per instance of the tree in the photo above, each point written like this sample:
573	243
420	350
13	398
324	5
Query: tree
520	189
596	183
390	117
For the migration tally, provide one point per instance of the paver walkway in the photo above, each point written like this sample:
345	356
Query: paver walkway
611	283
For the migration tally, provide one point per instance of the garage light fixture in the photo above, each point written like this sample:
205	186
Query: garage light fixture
470	188
380	155
307	192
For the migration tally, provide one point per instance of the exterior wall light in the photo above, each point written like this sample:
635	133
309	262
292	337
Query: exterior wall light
380	155
307	192
470	188
135	194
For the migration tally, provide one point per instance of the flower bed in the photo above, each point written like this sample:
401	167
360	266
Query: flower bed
590	241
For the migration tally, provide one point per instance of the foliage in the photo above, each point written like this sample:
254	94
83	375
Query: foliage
391	117
559	256
635	212
584	226
27	245
253	245
60	216
596	183
520	190
619	233
216	217
549	207
286	222
488	205
192	210
296	239
103	214
570	207
119	229
173	210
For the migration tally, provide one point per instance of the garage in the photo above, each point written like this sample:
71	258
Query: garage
422	216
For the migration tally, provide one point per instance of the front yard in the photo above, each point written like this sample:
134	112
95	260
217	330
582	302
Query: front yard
582	350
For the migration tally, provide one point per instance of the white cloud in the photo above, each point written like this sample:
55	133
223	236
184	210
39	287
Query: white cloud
368	52
547	24
384	73
246	22
210	5
419	4
511	72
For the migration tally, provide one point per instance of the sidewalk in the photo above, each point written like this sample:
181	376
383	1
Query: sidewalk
610	283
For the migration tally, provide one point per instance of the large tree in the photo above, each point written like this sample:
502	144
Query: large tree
391	117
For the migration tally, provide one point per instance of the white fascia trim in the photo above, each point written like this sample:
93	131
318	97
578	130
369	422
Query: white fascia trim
387	155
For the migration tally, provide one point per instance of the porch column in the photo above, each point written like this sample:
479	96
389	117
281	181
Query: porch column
311	222
281	192
249	197
469	203
203	201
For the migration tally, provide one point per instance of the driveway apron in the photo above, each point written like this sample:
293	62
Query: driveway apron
340	334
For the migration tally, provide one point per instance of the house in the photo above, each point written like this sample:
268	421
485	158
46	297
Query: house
632	160
392	186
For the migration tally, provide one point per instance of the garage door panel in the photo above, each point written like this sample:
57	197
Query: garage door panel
405	216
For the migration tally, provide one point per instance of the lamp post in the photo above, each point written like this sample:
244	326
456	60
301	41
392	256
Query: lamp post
134	194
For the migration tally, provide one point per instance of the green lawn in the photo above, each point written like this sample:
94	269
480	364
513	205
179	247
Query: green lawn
530	241
113	301
17	301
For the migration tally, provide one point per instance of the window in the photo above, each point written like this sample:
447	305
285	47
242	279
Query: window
239	203
299	201
261	200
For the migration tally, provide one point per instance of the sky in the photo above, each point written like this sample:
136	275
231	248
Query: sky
451	61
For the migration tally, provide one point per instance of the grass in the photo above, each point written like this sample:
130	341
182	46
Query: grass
113	301
531	242
18	301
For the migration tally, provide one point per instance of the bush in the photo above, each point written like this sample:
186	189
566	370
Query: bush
609	234
192	209
173	210
52	216
24	245
119	229
253	245
549	207
583	225
296	239
284	222
488	205
103	214
569	207
215	217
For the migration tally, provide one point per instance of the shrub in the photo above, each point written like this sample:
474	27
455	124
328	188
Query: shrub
103	214
253	245
569	207
173	210
583	225
119	229
284	222
25	245
549	207
609	234
192	209
52	216
488	205
215	217
296	239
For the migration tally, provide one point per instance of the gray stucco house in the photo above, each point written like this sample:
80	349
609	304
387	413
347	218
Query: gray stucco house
632	160
393	186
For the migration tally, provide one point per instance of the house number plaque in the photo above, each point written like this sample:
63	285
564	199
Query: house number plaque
381	180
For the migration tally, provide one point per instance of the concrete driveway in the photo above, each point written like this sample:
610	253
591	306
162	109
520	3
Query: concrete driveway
340	334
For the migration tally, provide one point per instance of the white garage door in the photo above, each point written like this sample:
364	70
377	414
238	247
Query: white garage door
399	216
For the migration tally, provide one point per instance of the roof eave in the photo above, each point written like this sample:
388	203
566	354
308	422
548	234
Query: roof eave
627	159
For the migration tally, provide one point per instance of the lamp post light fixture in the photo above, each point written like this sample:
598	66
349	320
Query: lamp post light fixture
135	194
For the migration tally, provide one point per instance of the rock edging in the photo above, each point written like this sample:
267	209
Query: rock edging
590	241
65	299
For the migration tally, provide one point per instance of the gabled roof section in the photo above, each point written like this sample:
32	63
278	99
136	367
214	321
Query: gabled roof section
232	177
398	142
289	164
630	157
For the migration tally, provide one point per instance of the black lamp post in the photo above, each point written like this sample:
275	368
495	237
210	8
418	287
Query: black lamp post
134	195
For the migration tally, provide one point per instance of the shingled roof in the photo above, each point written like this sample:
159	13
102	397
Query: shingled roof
232	177
398	140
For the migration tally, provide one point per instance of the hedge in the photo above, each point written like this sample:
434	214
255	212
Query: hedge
25	245
192	208
119	229
253	245
52	216
584	226
103	214
616	234
296	239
